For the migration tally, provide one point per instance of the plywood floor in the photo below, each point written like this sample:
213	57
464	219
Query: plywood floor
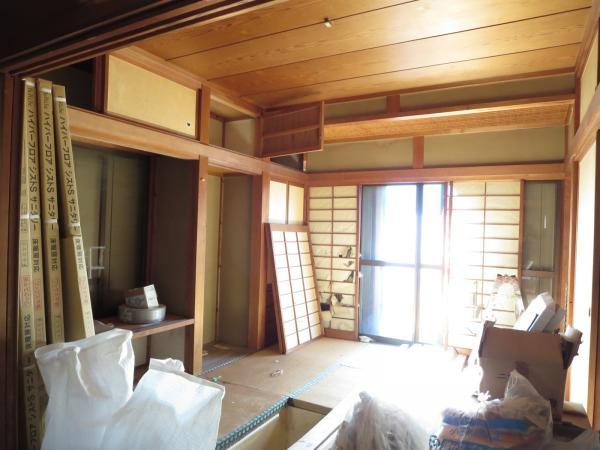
317	376
218	354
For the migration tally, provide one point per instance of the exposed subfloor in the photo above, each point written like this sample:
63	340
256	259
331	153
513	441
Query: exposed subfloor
317	376
218	355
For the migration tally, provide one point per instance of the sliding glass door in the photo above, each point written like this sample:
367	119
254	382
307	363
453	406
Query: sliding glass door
402	253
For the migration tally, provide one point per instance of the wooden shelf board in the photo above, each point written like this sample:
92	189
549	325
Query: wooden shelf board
171	322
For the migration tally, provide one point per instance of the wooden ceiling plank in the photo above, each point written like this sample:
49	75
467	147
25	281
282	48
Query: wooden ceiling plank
497	68
513	114
387	26
528	35
271	20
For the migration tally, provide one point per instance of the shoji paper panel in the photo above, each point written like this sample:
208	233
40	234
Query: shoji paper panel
333	222
484	242
277	202
297	310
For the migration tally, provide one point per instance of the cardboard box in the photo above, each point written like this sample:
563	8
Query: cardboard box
142	297
79	320
537	356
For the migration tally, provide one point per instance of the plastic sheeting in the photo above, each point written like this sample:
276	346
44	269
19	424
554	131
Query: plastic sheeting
92	404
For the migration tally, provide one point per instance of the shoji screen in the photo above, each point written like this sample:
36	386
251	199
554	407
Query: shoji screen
333	220
484	242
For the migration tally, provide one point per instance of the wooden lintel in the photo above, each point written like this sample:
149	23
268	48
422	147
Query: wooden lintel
518	113
107	131
159	66
541	171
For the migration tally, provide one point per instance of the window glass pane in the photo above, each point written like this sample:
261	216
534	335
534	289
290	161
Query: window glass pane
432	228
431	311
387	302
389	223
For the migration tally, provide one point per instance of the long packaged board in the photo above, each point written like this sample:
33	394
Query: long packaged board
30	383
79	321
50	226
30	139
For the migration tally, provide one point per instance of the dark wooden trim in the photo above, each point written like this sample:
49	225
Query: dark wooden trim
100	83
123	30
9	188
393	104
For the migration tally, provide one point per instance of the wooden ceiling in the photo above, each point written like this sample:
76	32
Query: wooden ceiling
283	54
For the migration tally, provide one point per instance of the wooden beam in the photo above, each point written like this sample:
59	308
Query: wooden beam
107	131
94	35
195	306
543	171
203	115
159	66
258	262
418	152
502	115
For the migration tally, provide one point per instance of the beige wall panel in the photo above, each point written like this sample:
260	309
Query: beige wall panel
539	144
235	260
487	92
142	95
582	297
295	204
395	153
355	108
216	132
240	136
212	258
589	79
277	202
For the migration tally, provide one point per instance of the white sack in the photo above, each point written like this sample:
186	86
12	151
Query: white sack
169	409
87	382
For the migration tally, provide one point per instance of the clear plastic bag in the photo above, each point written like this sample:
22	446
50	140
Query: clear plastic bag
375	424
87	382
522	420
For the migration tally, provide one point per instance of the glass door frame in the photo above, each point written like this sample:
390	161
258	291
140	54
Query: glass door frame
418	265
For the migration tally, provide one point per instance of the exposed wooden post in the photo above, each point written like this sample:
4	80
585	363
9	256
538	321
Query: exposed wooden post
203	115
195	307
393	104
418	152
100	83
258	262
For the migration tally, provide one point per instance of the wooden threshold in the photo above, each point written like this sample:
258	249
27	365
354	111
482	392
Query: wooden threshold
171	322
536	112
